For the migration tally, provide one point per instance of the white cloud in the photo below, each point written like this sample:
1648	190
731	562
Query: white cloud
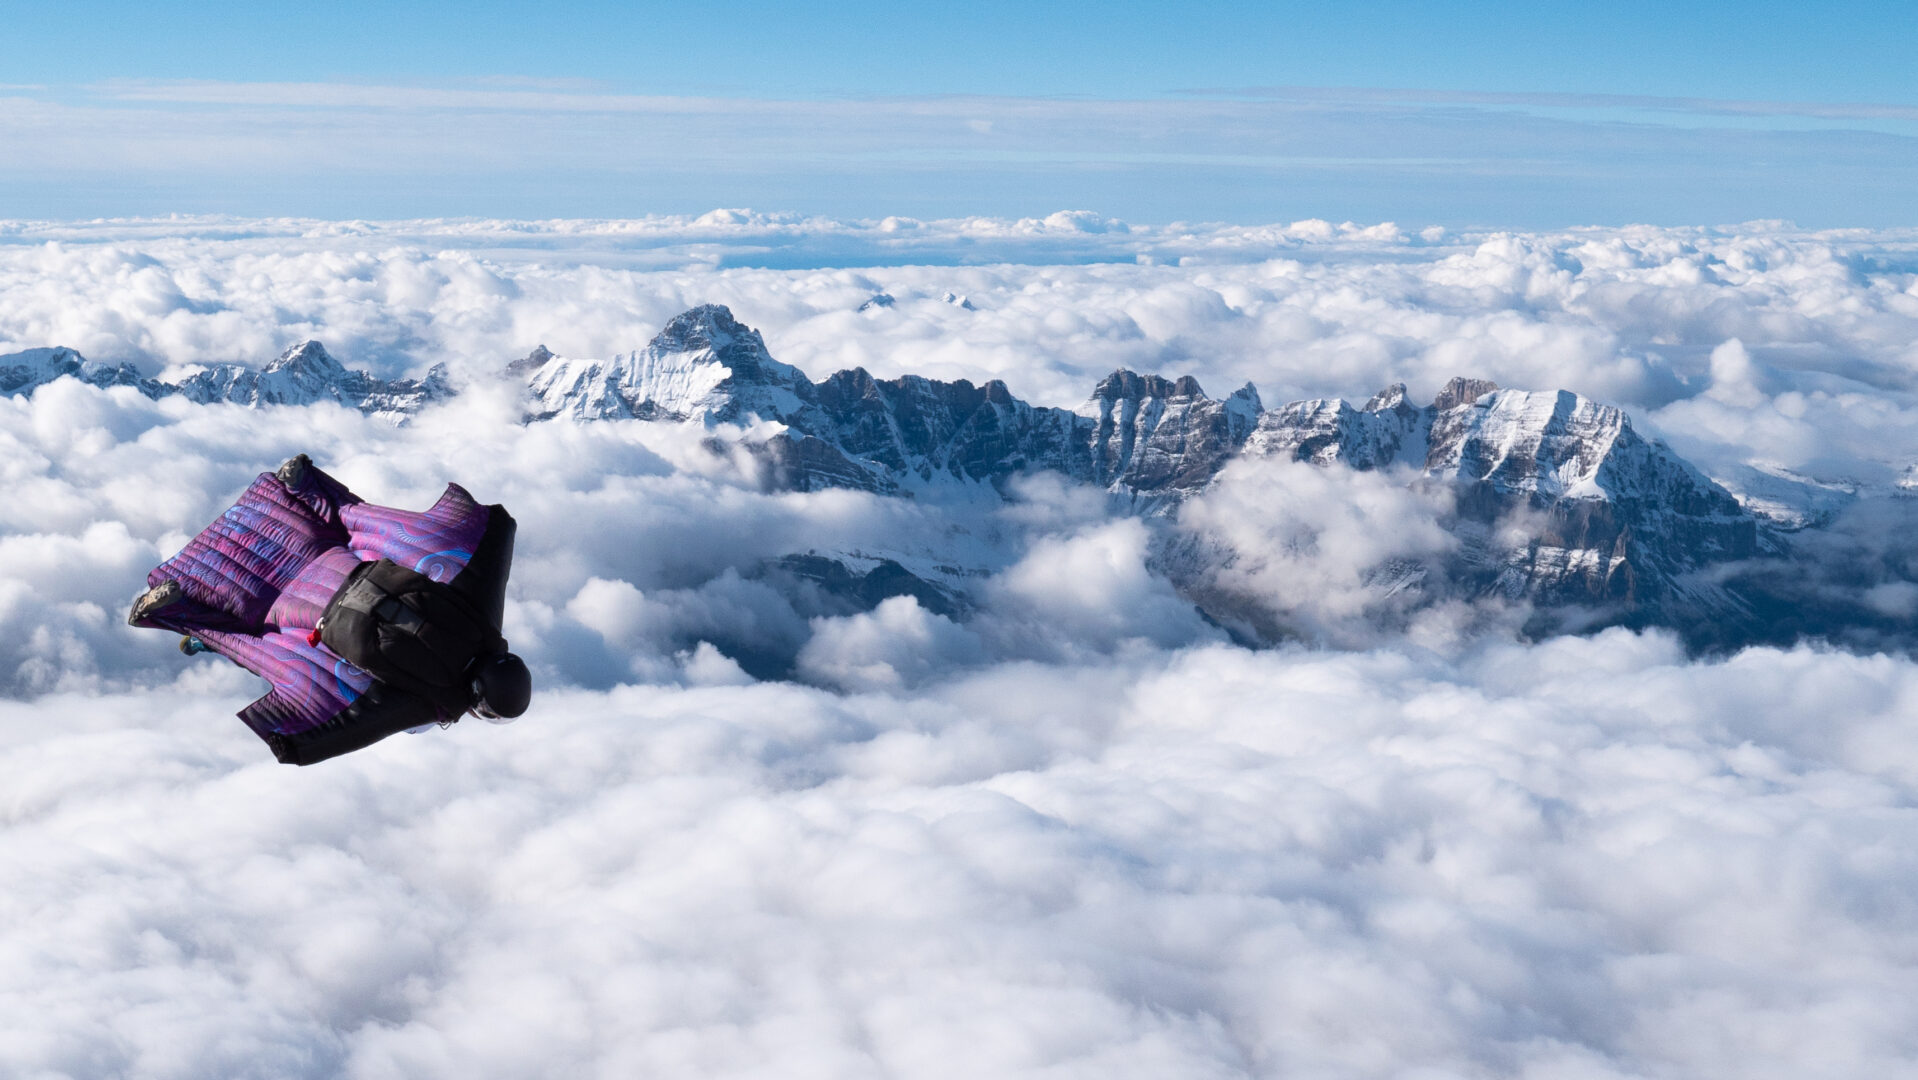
1588	854
1324	555
895	645
1734	378
1088	589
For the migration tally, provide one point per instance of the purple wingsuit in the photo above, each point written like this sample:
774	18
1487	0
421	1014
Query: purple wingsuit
253	584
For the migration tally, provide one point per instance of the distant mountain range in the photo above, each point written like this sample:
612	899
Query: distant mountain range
302	375
1616	527
1619	523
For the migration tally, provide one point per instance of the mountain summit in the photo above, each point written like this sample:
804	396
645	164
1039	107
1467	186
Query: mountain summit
704	365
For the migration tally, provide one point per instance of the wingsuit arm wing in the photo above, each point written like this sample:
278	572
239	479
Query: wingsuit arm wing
457	541
228	576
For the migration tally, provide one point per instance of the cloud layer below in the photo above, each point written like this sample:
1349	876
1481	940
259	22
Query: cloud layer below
1071	832
1590	858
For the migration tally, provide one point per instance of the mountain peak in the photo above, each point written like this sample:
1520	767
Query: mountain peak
308	357
1187	387
1246	399
1462	391
22	372
1390	398
703	364
306	373
1125	384
708	326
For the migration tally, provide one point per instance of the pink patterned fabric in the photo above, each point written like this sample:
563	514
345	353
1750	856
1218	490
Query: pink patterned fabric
437	543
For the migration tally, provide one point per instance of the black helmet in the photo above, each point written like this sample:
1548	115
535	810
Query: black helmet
502	687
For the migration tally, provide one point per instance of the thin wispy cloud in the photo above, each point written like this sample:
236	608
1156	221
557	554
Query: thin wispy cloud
1431	156
1833	110
349	95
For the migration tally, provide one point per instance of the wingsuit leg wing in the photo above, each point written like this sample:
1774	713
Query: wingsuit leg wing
308	682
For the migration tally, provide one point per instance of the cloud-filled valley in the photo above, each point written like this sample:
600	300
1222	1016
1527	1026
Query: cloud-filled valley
1040	810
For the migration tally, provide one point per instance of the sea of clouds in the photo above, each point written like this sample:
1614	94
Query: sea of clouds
1075	831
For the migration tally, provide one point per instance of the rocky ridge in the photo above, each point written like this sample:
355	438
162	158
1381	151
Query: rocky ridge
304	374
1137	435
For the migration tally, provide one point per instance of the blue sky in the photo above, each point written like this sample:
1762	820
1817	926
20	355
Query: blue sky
1521	114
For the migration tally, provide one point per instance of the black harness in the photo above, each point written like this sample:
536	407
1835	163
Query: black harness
404	628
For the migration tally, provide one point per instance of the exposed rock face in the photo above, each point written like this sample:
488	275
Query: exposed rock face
302	375
1137	435
1615	504
1155	437
524	367
1462	392
921	428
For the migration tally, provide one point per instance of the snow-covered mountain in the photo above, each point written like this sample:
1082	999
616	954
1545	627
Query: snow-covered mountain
302	375
703	366
1610	517
1138	435
23	372
306	374
1610	520
1328	430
